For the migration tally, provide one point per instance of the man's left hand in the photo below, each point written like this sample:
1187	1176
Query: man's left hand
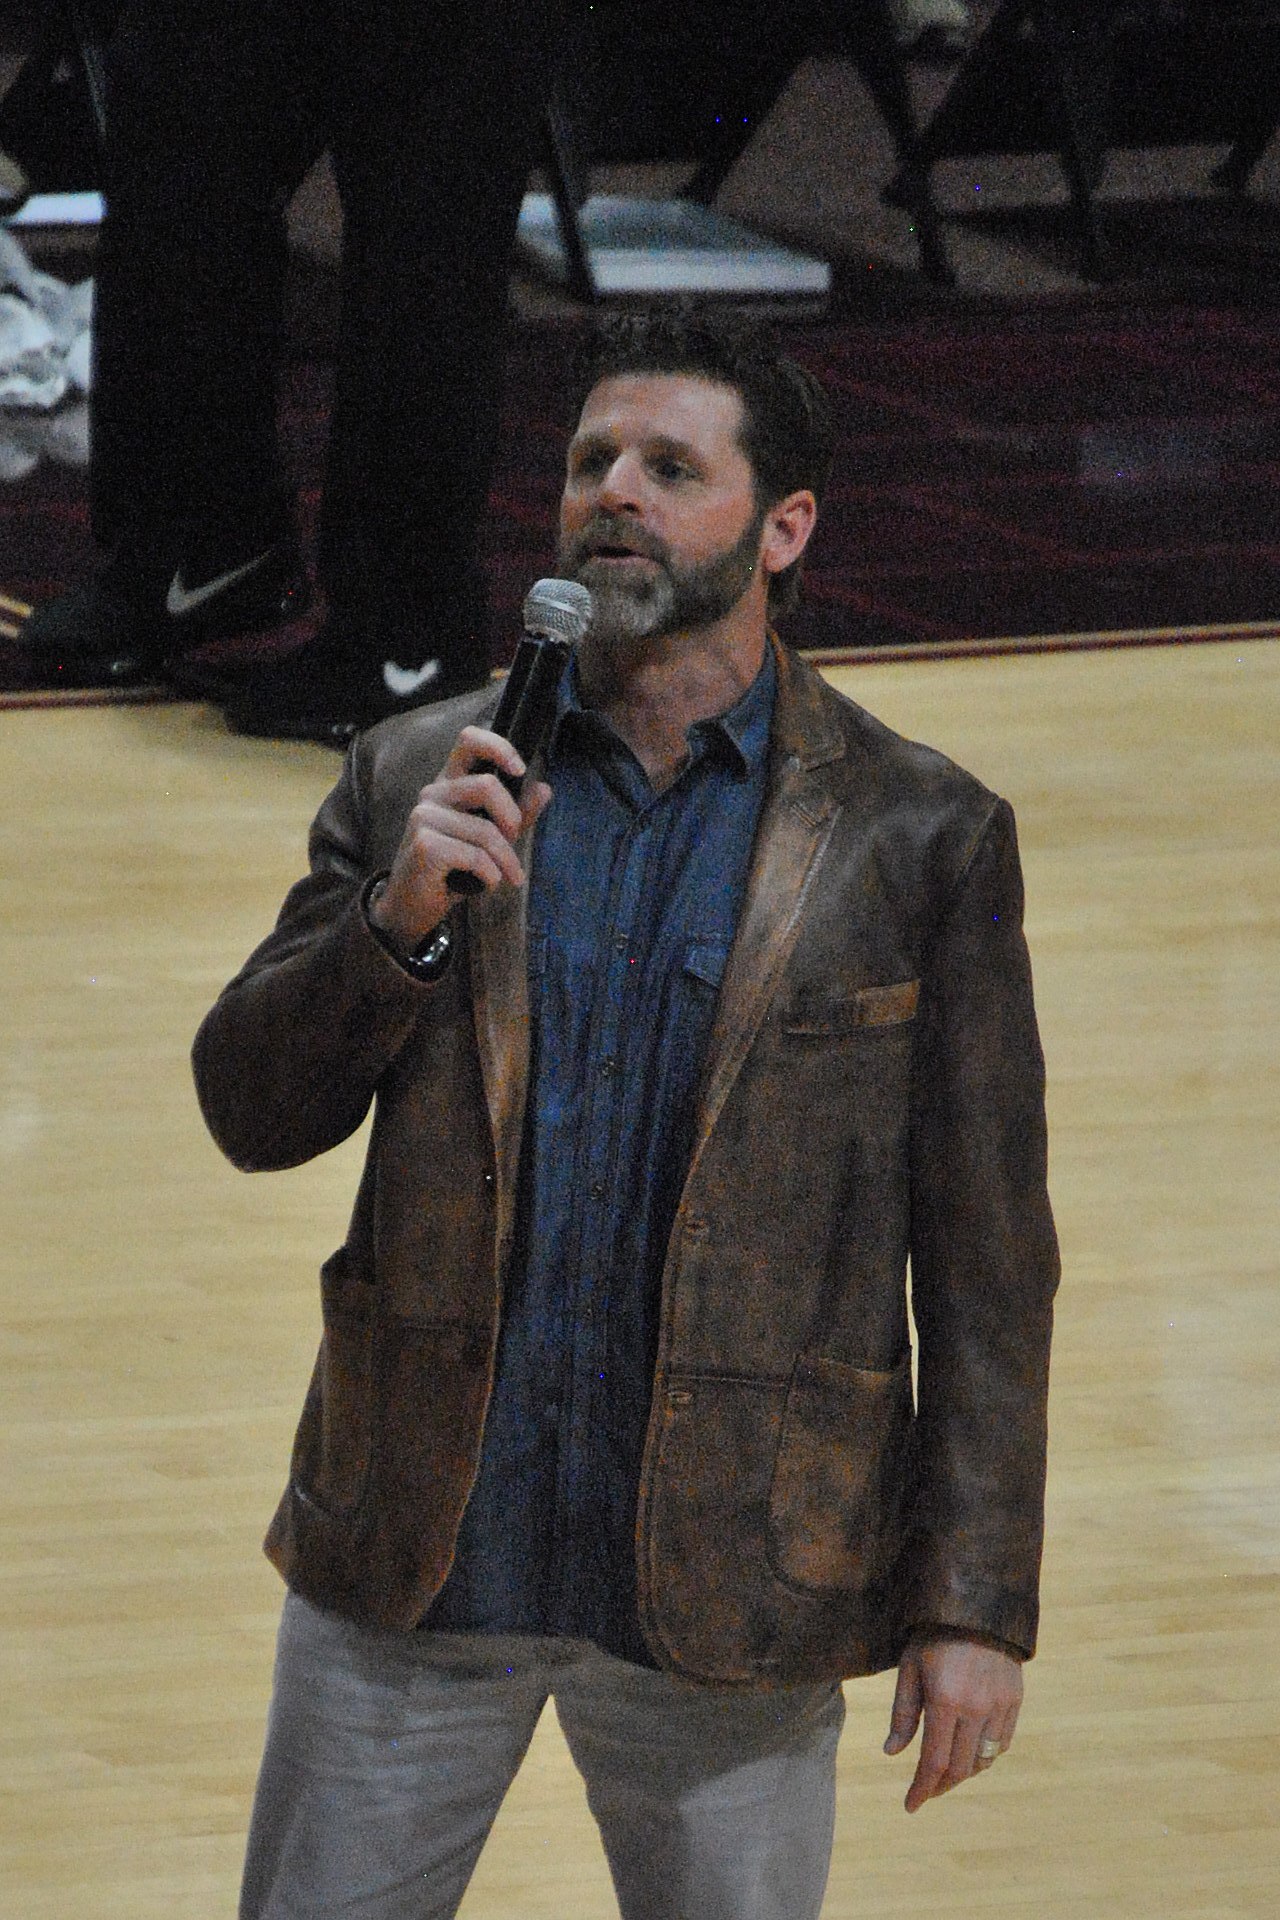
968	1694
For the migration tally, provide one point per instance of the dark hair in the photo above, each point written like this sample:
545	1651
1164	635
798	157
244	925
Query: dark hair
787	430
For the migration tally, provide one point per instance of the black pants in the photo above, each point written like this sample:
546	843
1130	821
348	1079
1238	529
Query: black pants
216	109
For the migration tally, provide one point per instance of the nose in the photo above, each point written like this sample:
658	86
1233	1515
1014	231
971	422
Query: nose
620	485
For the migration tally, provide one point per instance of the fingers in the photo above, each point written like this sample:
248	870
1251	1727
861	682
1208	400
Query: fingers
971	1697
933	1774
465	821
908	1700
449	838
968	1755
1010	1726
994	1738
1000	1728
477	744
534	802
949	1755
474	793
476	782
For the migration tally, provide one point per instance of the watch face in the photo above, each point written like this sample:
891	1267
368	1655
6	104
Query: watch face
429	961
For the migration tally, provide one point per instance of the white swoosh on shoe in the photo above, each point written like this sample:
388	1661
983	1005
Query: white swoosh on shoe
181	600
404	682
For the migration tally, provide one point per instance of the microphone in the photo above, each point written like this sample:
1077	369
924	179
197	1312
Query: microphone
557	614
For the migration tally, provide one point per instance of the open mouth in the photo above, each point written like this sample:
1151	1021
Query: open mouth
617	552
615	544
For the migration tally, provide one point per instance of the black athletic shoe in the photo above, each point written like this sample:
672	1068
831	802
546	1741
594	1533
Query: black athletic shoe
338	684
140	610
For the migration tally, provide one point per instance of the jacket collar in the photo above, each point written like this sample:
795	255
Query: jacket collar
805	728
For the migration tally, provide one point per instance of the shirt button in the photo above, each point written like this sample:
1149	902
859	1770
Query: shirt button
597	1189
608	1067
620	943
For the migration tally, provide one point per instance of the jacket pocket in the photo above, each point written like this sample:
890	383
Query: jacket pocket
331	1452
842	1474
829	1015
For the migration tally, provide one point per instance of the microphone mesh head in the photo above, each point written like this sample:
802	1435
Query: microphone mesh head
558	610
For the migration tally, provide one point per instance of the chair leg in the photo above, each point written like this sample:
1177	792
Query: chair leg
934	258
866	35
1232	175
1075	67
580	281
89	39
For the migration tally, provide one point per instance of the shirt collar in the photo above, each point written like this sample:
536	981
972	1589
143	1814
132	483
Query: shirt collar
741	734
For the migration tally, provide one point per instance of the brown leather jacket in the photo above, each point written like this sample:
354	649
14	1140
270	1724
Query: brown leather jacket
874	1091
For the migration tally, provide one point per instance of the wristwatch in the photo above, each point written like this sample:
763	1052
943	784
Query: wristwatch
429	959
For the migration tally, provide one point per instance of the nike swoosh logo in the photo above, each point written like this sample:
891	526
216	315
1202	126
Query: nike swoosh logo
181	600
406	681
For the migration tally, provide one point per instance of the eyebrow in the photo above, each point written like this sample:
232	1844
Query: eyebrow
602	442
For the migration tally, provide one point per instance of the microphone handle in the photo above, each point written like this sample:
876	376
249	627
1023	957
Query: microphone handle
524	716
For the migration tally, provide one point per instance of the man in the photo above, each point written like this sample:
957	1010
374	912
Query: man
614	1402
217	108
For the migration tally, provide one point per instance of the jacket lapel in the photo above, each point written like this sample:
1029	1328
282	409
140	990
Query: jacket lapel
497	937
796	822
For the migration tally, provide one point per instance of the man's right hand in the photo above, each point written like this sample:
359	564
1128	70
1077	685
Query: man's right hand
466	821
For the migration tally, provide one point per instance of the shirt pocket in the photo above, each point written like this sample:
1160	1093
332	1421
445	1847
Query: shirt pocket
697	987
682	1030
704	963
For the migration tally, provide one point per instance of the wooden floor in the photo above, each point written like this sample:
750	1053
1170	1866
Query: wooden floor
158	1316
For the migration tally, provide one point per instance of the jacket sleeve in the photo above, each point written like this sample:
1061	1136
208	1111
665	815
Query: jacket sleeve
984	1261
287	1060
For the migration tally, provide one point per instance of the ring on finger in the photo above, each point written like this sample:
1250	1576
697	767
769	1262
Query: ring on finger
989	1750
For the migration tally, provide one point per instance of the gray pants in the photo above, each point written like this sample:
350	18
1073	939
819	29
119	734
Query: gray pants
388	1756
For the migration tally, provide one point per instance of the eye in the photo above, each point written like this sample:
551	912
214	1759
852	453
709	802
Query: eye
588	463
668	468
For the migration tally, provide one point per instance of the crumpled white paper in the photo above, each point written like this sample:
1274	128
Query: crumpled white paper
28	437
44	333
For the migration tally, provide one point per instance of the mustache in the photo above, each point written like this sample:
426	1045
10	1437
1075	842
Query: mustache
607	530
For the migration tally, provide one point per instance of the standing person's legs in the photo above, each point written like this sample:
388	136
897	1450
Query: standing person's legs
210	122
712	1804
432	184
212	117
433	146
387	1758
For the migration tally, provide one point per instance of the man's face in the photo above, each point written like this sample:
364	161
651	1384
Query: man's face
659	516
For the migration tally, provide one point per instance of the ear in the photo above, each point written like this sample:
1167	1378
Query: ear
787	527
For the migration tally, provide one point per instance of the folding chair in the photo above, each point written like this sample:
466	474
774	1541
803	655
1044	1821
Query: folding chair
655	83
1079	77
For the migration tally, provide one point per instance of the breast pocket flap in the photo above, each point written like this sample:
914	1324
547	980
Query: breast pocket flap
863	1007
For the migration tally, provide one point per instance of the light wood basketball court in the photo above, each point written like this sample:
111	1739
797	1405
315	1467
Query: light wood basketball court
159	1316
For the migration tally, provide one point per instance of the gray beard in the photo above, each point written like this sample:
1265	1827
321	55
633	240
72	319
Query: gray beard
673	599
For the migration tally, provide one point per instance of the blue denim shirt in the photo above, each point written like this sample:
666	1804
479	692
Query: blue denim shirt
633	902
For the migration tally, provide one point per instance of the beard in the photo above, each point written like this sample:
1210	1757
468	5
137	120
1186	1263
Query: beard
671	598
